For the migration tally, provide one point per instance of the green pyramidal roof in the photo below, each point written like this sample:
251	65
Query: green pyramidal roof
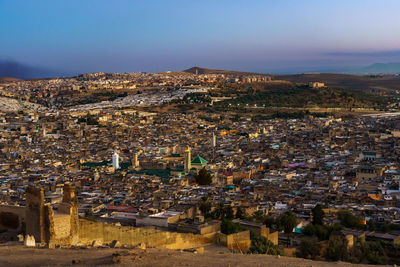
199	160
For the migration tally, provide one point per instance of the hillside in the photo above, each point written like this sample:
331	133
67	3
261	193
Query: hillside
346	81
212	71
298	96
21	256
353	82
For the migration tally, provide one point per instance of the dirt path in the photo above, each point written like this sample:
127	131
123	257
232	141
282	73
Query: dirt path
153	257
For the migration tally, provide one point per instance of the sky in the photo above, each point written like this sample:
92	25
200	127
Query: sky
270	36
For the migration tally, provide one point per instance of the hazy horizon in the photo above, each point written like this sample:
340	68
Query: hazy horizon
57	38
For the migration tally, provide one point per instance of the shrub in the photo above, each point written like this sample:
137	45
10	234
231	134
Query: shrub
228	227
261	245
309	249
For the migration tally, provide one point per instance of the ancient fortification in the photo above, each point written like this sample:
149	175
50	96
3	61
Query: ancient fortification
62	226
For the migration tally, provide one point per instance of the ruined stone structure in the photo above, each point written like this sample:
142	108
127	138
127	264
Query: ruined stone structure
35	213
62	226
45	224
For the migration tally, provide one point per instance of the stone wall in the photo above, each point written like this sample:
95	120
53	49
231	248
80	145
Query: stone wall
273	237
62	229
261	230
238	241
212	228
62	225
12	218
131	236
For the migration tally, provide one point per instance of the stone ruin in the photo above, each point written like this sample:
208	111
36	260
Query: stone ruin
52	226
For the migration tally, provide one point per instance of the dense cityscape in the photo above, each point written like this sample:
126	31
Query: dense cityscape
200	133
303	185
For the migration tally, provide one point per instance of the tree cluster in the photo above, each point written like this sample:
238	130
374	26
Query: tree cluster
203	177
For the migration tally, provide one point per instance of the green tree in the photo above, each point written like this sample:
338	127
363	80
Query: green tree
271	222
309	249
258	216
228	212
347	219
376	254
337	248
261	245
318	215
205	206
219	211
239	213
319	231
203	177
228	227
288	221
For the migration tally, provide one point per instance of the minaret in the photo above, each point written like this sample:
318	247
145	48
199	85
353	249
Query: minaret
213	140
96	175
115	161
188	161
135	161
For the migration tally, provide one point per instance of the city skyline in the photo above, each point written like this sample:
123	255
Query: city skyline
66	38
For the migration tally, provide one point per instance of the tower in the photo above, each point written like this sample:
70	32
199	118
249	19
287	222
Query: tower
188	161
115	161
213	140
96	175
35	213
135	160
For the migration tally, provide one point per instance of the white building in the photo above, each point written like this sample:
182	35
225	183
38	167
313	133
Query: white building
115	161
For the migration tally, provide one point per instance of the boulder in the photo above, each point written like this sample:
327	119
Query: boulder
115	244
20	238
51	244
199	250
97	243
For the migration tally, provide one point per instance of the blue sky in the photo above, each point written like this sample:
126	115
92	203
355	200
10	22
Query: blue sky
74	36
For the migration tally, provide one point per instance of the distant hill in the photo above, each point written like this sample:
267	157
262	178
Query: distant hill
354	82
8	79
349	81
299	96
10	68
212	71
379	68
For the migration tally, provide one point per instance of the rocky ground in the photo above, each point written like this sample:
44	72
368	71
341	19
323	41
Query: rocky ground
150	257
